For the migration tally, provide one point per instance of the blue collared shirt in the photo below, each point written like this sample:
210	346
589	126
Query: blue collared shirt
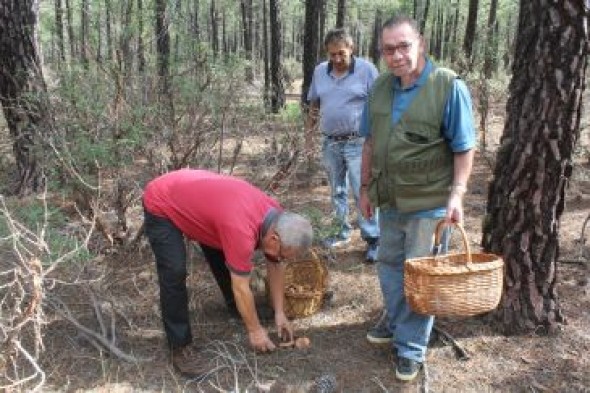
342	98
458	124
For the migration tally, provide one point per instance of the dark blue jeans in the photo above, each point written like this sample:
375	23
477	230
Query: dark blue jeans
169	248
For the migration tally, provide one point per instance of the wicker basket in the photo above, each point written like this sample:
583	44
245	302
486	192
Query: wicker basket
306	281
454	284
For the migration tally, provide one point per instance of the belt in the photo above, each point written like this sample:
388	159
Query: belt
345	137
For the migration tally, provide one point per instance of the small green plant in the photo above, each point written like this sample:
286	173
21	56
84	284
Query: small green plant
291	113
324	224
21	217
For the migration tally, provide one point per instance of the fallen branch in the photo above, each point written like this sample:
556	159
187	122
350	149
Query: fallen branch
447	339
61	309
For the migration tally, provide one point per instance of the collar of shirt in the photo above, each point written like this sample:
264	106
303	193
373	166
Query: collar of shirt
428	66
350	67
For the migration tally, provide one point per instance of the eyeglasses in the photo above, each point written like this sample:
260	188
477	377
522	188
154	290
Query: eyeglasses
403	48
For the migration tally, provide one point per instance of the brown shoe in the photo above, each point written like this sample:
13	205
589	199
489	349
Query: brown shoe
187	362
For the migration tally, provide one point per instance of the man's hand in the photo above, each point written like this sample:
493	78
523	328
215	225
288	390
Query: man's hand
365	203
284	327
260	341
455	206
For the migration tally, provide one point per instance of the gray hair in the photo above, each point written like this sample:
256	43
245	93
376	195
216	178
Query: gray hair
401	19
337	36
294	230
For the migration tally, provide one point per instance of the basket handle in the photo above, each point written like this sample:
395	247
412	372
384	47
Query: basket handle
438	236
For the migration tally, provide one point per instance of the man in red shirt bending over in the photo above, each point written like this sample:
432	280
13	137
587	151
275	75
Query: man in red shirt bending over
229	218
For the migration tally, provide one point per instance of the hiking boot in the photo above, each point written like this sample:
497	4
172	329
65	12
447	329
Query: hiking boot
187	362
380	333
407	369
372	250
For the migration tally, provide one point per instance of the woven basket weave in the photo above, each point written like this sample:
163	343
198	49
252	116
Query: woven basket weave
306	281
456	284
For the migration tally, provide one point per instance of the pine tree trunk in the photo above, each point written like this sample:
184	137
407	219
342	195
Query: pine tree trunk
491	39
470	32
310	46
108	33
266	54
84	15
163	55
246	8
341	13
321	26
424	17
140	44
59	30
23	93
277	96
454	32
98	26
534	163
71	38
375	51
126	34
214	28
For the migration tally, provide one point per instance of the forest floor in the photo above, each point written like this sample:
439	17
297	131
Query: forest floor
529	363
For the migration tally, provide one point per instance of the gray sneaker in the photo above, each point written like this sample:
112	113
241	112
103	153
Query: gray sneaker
380	333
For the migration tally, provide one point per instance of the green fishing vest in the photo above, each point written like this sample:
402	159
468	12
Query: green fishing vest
412	164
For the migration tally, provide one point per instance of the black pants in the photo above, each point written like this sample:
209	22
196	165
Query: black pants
167	243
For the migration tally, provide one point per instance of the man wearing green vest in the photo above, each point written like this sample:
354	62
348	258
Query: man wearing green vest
416	161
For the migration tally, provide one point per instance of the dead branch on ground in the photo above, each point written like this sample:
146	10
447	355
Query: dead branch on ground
30	283
447	339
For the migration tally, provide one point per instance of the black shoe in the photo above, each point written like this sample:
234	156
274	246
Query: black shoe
380	333
188	363
407	369
372	250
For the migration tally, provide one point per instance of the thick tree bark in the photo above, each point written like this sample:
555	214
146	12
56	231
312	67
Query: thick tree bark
23	90
277	96
310	46
534	162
